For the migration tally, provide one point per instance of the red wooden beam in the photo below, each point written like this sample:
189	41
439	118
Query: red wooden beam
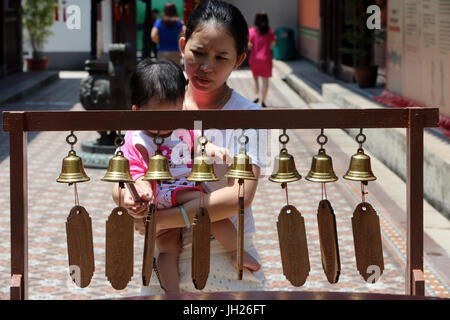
19	203
414	201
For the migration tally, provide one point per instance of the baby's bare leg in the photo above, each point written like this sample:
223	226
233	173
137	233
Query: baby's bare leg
225	232
169	246
186	195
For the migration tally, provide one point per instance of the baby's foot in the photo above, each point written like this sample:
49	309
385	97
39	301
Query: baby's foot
248	261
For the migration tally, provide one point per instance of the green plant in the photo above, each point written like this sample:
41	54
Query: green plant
37	17
359	39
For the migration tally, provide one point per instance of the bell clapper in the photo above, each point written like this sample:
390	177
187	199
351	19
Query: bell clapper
80	246
120	224
322	172
290	225
241	169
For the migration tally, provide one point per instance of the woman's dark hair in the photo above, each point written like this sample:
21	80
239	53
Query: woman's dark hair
262	22
169	15
225	14
163	79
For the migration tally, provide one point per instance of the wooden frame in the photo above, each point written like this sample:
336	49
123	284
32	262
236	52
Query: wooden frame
413	119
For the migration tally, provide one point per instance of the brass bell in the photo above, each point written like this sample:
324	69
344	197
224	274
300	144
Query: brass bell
202	170
241	168
72	169
321	168
360	169
284	170
158	168
118	169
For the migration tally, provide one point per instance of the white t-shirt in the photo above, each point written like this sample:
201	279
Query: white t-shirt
229	139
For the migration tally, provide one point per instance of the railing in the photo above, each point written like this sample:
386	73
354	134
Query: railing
413	119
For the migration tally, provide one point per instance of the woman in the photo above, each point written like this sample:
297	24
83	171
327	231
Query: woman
215	44
261	39
166	32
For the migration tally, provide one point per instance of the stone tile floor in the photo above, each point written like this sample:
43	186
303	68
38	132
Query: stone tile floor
50	203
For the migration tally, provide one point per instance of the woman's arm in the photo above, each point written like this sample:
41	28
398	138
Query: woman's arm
221	204
154	35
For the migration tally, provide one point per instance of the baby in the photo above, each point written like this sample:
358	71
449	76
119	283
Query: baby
161	86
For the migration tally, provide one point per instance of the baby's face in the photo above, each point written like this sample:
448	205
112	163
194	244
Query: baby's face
155	104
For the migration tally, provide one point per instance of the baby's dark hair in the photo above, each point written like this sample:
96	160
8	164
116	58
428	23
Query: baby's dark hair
224	14
163	79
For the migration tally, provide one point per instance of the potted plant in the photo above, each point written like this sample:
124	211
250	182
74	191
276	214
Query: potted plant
37	17
360	42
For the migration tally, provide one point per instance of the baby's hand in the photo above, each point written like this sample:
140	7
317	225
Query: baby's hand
138	209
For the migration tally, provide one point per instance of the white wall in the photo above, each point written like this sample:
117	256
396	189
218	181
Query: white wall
66	40
106	24
282	13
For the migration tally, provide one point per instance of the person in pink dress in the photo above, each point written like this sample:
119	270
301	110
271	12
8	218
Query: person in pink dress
261	40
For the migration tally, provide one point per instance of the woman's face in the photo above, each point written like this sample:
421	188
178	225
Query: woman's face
209	57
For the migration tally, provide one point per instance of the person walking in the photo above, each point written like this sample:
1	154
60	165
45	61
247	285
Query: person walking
166	32
261	40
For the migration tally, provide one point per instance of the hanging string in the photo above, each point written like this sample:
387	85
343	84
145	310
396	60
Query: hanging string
155	190
286	189
77	200
202	196
324	190
120	196
363	192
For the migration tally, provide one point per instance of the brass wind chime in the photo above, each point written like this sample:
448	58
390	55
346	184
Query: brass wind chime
322	172
120	225
80	245
365	221
158	170
241	169
202	171
290	224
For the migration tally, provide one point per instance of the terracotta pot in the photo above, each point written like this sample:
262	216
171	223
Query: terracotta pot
366	76
39	64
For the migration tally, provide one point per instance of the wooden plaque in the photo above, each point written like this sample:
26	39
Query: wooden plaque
329	247
80	246
119	248
149	245
367	241
293	245
201	238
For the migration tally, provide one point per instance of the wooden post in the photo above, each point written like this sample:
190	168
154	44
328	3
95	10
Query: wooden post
414	204
94	35
19	207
